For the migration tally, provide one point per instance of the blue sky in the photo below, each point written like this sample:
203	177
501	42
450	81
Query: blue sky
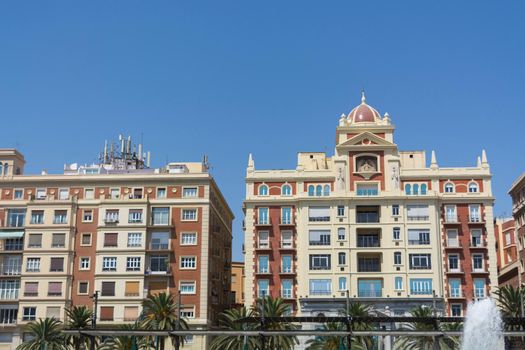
226	78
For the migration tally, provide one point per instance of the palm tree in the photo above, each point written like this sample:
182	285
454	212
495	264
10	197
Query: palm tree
159	312
275	308
354	310
127	342
429	342
47	335
329	342
510	301
229	320
79	317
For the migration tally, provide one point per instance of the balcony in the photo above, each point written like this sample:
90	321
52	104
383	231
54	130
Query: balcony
366	218
158	246
368	264
367	192
287	270
453	245
451	219
455	293
262	246
320	292
319	218
418	218
263	222
478	244
9	294
10	270
368	241
110	221
286	294
457	271
287	221
158	270
11	245
475	219
286	245
481	271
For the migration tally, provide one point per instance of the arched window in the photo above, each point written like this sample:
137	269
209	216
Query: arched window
341	234
423	188
408	189
449	187
311	190
473	187
263	190
415	189
326	191
1	167
286	190
6	169
319	190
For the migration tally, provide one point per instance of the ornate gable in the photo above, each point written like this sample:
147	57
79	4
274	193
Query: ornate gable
366	140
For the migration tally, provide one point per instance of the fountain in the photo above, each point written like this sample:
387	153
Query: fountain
483	326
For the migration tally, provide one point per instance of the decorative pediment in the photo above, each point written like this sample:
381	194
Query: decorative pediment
366	139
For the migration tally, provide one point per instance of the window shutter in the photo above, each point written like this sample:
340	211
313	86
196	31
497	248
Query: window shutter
132	288
108	289
157	287
31	288
315	212
59	239
55	288
110	239
57	264
413	235
106	313
53	311
131	313
35	240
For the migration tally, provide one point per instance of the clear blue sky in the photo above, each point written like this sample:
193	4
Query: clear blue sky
226	78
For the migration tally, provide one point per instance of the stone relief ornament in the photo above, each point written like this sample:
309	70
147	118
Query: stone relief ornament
340	177
395	177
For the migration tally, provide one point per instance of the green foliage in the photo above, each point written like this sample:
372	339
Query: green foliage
79	317
228	320
126	342
46	335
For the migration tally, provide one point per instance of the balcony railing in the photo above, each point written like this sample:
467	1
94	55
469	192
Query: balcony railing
369	293
455	293
10	270
367	217
367	192
451	219
320	292
418	218
367	266
286	245
286	294
159	246
319	218
368	241
321	242
287	269
9	294
264	245
474	218
60	220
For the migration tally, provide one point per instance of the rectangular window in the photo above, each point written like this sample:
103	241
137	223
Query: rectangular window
397	258
137	193
320	262
396	233
135	216
418	236
479	287
189	214
188	262
18	194
477	262
368	264
342	284
158	264
106	313
63	194
455	287
56	265
112	216
54	289
286	216
474	213
456	310
367	190
84	263
83	288
398	284
188	238
114	193
110	239
318	214
418	213
108	289
341	258
189	192
475	238
159	240
263	264
341	234
452	238
33	265
320	287
286	239
421	286
450	213
16	217
60	217
29	313
263	240
35	240
31	289
37	217
319	237
160	216
131	313
161	192
340	210
41	193
133	263
87	215
109	264
9	289
58	240
132	289
369	288
263	288
395	210
453	262
286	289
187	287
187	312
286	263
86	239
134	239
420	261
89	193
262	218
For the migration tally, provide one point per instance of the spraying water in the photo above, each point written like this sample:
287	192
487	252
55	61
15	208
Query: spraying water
483	326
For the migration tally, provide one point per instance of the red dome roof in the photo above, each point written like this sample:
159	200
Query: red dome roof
364	113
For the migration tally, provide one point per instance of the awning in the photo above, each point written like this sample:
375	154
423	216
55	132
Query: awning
11	234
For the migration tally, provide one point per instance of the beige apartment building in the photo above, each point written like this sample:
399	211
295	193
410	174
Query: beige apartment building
238	283
118	228
371	222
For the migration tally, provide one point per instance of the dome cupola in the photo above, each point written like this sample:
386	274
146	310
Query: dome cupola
364	113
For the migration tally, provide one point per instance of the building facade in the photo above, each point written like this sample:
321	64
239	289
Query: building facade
119	229
372	223
517	193
238	283
507	253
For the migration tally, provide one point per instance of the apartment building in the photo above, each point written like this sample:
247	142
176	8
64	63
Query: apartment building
507	252
119	229
372	223
238	283
517	193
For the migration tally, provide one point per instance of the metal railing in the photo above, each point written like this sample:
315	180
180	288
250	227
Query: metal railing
367	217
